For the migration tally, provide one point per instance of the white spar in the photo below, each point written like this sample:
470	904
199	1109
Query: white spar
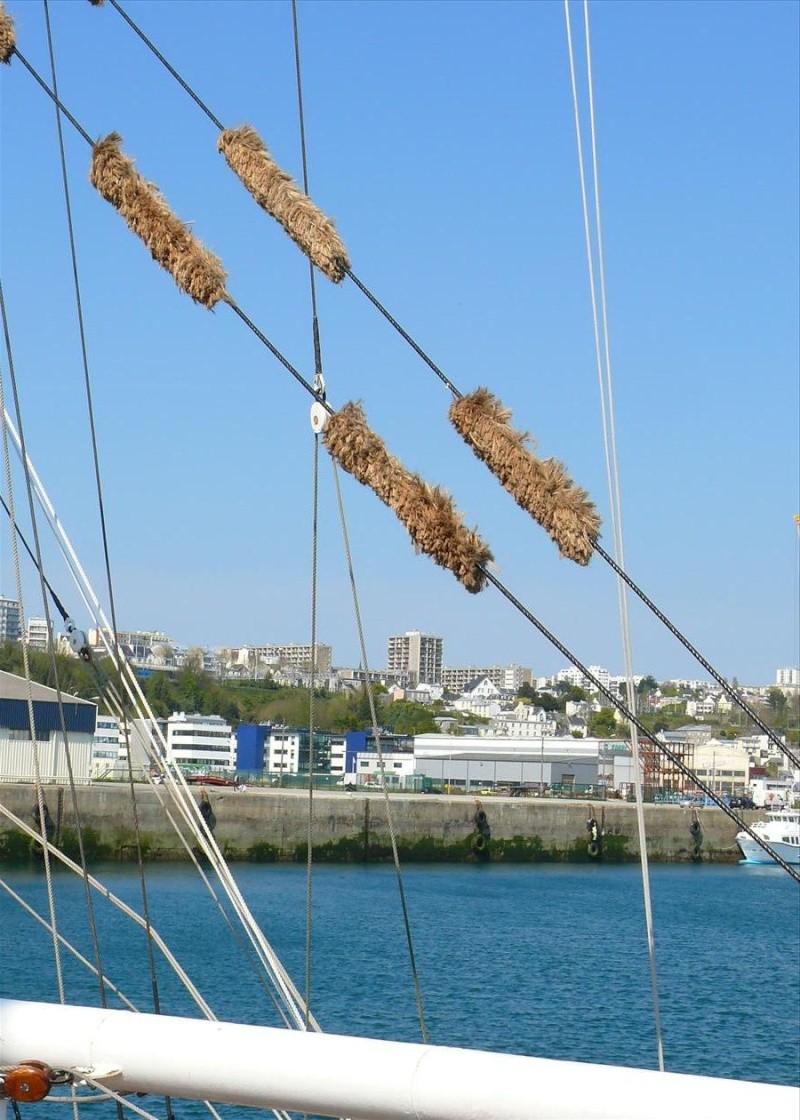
364	1079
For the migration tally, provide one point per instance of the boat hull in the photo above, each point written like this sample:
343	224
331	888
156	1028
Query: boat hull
782	833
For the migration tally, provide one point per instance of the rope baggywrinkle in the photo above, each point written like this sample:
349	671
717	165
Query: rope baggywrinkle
277	193
8	36
407	337
429	515
195	269
541	487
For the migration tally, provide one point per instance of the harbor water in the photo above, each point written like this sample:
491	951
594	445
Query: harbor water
548	960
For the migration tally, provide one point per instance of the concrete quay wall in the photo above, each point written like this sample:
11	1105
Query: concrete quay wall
268	825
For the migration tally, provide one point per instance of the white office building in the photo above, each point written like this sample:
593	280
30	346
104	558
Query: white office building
397	767
195	740
106	748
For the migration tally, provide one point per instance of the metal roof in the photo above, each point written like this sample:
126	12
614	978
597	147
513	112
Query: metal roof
13	687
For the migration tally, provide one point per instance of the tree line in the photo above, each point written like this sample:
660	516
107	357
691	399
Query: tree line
190	690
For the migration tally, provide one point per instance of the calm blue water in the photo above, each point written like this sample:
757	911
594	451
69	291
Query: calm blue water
545	960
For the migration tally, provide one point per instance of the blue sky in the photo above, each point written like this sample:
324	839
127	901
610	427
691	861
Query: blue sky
441	141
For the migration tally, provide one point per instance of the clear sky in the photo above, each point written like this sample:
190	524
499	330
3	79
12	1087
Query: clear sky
441	141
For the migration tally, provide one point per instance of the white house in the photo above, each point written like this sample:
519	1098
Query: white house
525	720
481	697
699	708
424	693
397	765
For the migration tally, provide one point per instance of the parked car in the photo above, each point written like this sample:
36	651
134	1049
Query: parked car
692	802
742	803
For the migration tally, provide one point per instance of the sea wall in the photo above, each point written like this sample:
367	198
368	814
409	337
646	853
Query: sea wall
269	825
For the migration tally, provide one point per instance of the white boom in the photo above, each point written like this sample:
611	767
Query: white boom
363	1079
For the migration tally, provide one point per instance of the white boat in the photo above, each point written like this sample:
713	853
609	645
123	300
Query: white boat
124	1052
781	830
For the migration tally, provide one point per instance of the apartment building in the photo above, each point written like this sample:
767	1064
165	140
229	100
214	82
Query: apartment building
419	655
257	659
10	620
508	678
143	646
288	753
37	632
787	678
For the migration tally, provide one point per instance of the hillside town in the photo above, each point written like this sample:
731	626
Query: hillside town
488	728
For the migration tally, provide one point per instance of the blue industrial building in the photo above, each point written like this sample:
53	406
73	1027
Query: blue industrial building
251	746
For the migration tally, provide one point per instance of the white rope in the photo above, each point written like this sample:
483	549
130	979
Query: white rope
29	693
605	383
175	782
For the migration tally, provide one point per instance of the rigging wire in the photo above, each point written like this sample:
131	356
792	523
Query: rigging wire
319	385
117	902
631	718
101	506
376	732
730	692
115	704
276	970
175	783
39	794
605	384
488	577
311	728
674	630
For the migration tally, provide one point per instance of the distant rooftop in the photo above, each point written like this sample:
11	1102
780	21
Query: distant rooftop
13	687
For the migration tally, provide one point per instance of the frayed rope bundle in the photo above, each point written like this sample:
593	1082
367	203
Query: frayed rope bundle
195	269
541	487
276	192
8	38
434	524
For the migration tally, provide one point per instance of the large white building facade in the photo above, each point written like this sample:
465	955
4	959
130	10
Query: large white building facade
203	741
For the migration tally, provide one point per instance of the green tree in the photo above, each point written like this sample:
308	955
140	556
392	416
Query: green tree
776	701
602	724
407	718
